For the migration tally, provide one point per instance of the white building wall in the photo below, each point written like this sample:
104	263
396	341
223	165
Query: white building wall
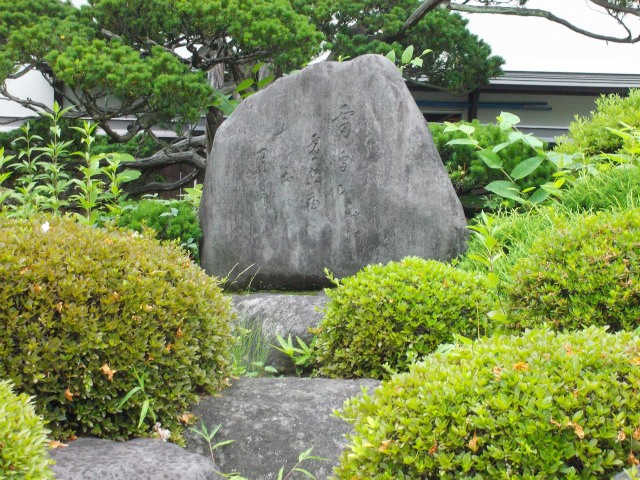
32	85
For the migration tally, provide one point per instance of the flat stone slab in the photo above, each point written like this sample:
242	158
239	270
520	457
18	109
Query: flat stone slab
273	420
271	313
333	167
138	459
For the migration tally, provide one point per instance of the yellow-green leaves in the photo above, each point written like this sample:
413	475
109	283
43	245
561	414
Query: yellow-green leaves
521	401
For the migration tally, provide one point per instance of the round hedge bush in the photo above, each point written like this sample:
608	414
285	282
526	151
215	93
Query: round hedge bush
23	438
541	406
585	274
383	312
81	307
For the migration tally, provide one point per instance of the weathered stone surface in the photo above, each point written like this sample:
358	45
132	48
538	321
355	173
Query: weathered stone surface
333	167
625	475
271	313
139	459
273	420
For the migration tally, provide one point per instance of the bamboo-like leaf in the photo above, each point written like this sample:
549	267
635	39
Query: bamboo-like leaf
128	396
143	412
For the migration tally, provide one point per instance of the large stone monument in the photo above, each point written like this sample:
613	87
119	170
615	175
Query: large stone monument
332	167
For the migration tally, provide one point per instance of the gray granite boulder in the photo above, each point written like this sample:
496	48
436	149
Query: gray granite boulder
139	459
271	313
333	167
625	476
273	420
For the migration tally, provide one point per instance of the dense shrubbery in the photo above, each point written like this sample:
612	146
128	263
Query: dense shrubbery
585	274
467	171
22	438
544	405
81	307
612	188
589	135
384	314
172	220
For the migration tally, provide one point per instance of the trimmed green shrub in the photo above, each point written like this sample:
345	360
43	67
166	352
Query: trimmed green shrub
588	135
467	171
387	314
541	406
81	307
172	220
612	188
23	438
585	274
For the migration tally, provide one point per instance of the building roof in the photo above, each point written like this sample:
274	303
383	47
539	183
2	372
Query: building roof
563	83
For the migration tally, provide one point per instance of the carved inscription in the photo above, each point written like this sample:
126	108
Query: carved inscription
343	120
313	173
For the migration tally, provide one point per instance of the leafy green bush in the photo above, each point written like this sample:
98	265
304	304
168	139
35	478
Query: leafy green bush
22	438
388	314
589	135
585	274
172	220
544	405
612	188
81	307
468	172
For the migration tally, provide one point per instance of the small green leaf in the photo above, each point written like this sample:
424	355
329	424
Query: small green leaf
526	167
245	84
490	158
392	56
505	189
407	54
462	141
257	67
539	196
266	81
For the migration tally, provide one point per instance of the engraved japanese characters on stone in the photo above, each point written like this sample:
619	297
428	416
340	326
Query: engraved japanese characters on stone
343	120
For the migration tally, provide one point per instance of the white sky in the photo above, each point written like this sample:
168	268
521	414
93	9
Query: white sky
536	44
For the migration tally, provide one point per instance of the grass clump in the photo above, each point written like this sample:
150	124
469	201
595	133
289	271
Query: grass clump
538	406
81	307
23	438
382	317
612	188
